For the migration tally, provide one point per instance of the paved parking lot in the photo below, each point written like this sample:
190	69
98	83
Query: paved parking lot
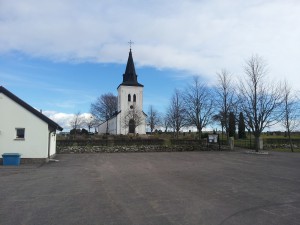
154	188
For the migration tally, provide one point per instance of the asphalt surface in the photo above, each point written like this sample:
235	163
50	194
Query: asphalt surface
154	188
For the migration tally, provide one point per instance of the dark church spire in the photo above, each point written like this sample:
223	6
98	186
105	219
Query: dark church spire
130	76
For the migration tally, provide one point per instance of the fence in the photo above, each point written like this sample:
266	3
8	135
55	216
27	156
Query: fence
242	143
268	143
202	144
245	143
282	143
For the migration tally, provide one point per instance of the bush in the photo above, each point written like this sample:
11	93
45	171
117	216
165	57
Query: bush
75	131
84	132
204	135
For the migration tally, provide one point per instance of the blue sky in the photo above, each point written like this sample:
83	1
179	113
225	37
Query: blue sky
66	88
71	87
60	56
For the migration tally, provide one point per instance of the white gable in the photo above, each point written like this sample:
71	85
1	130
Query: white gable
35	142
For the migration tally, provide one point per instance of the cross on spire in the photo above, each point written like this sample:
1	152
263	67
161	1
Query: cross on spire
130	43
130	76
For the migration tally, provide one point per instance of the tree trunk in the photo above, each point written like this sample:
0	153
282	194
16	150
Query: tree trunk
290	140
256	143
227	138
199	134
222	134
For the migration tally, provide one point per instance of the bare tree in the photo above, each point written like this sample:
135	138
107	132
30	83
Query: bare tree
104	107
91	122
199	105
153	118
176	113
133	118
77	122
219	118
290	111
225	99
166	122
260	100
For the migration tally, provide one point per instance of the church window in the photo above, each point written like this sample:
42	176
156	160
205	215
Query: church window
129	97
134	98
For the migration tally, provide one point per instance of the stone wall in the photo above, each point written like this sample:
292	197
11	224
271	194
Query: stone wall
134	148
109	142
133	145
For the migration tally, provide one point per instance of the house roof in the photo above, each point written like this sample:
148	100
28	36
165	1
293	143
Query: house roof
130	76
50	122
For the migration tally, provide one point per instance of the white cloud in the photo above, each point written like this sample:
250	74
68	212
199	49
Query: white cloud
200	37
64	119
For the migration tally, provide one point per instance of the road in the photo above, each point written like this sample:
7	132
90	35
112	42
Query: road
208	188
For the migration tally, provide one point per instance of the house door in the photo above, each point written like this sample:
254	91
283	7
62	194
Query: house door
131	126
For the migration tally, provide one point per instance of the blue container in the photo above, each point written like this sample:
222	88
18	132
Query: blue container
11	159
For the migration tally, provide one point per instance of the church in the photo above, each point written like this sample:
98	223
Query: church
130	117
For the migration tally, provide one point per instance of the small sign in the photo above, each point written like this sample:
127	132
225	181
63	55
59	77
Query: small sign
212	138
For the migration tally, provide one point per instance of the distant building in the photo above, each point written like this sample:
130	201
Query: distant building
130	105
25	130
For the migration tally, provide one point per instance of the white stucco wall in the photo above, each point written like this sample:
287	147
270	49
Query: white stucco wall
141	129
52	144
124	105
112	126
35	143
123	92
102	128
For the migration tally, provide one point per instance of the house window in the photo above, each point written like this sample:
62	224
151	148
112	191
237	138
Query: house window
20	133
129	97
134	98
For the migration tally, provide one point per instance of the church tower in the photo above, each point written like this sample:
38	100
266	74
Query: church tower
130	98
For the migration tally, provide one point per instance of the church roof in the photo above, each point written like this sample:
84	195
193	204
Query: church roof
13	97
130	76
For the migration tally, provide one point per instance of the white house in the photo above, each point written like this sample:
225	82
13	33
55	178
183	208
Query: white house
25	130
130	105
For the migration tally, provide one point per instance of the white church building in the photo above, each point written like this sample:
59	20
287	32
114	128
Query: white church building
130	117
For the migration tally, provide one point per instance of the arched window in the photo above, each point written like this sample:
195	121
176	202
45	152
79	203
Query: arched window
129	97
134	98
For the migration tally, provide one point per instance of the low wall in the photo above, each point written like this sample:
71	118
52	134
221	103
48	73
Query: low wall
132	145
133	148
109	142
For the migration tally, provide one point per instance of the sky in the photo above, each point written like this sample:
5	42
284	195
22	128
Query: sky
59	56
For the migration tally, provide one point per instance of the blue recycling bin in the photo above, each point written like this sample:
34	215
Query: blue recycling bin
11	159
